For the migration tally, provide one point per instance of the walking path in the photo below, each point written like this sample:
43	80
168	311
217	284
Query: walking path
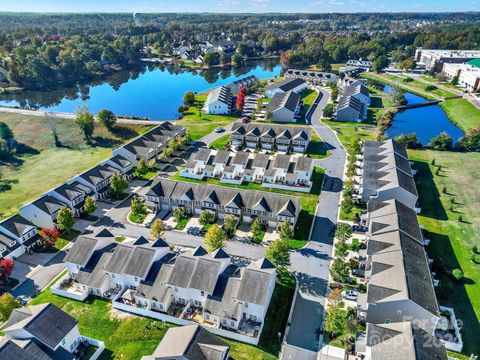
311	263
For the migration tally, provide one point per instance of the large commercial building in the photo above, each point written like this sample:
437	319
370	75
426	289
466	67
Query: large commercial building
468	74
434	59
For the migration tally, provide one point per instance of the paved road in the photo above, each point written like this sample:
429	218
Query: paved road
311	264
116	221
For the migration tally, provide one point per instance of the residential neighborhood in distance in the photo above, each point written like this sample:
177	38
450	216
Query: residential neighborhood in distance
265	180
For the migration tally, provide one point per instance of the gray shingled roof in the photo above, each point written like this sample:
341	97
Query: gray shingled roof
130	260
288	100
81	251
17	225
286	84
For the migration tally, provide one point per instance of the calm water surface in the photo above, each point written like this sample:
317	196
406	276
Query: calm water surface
427	122
153	92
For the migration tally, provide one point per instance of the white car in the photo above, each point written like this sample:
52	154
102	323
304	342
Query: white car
218	130
350	294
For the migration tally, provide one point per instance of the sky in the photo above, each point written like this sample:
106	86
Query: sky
256	6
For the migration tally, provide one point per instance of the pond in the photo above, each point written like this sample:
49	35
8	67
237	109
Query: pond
427	122
153	92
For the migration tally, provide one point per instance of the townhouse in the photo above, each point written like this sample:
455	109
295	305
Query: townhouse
19	230
315	77
246	82
40	332
125	166
387	174
353	104
237	167
401	340
295	85
285	107
364	65
400	306
98	180
219	101
72	195
43	211
150	145
271	209
270	137
190	342
348	81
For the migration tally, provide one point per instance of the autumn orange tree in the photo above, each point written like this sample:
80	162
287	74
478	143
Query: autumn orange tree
49	236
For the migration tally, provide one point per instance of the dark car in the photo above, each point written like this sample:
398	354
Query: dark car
359	228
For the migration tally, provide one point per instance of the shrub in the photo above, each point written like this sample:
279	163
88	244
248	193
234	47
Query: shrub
430	88
457	274
475	258
475	249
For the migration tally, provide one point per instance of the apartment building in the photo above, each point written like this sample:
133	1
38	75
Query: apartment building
270	137
435	59
468	75
271	209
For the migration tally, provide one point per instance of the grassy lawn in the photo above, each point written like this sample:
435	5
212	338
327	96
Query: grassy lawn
348	131
182	223
221	143
66	238
452	240
462	113
44	166
200	124
308	96
150	174
308	201
138	219
317	148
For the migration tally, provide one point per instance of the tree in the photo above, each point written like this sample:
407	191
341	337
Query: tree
256	229
285	231
137	206
205	218
215	238
471	141
380	63
211	58
49	236
5	132
334	91
335	297
157	229
278	253
339	270
86	123
324	65
118	184
341	249
454	81
407	64
409	140
179	214
343	232
7	305
142	168
65	219
268	115
188	99
107	119
151	164
329	110
90	205
53	128
230	225
238	60
335	321
457	274
6	268
398	95
442	142
7	140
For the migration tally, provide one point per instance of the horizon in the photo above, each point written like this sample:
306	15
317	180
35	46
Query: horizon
233	6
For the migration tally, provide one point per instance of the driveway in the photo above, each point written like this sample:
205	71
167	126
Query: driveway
193	226
311	263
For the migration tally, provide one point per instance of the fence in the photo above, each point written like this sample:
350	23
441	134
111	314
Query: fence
304	189
99	344
178	321
70	293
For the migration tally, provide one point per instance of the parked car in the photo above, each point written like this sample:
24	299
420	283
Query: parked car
219	130
350	294
245	120
359	228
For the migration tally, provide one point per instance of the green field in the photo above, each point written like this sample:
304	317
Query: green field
348	131
316	148
43	166
462	112
221	143
200	124
308	96
452	240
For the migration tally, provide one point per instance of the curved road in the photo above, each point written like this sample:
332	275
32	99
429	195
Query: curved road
311	263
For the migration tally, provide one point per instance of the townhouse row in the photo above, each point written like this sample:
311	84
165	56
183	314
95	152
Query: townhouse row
270	138
353	104
283	171
18	234
246	205
207	288
400	303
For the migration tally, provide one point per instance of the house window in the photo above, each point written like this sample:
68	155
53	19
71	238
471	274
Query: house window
63	341
388	321
232	323
113	276
176	289
246	305
203	293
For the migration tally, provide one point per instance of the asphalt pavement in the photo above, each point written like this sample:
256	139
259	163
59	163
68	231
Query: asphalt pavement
311	263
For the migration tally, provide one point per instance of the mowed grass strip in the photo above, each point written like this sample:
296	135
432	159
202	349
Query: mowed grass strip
451	239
